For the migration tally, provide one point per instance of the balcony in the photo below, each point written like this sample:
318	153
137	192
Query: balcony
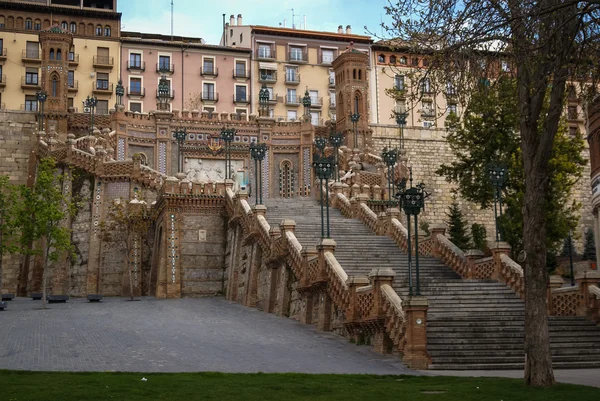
3	54
241	73
293	100
316	101
273	99
209	96
73	86
297	57
104	62
265	54
270	78
103	87
332	103
241	99
171	94
136	65
427	113
331	82
31	106
165	68
209	71
292	79
136	91
2	81
30	83
73	59
31	56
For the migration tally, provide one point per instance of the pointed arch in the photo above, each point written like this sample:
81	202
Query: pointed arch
58	54
51	53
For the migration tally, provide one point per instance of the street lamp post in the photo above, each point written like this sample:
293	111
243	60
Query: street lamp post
227	135
354	117
323	170
390	157
90	103
306	102
571	257
412	201
180	135
401	121
498	175
336	139
263	98
257	153
41	97
320	144
119	91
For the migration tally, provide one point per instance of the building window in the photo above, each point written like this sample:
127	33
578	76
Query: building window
392	60
31	103
31	76
327	56
452	109
54	92
425	86
164	63
240	93
135	86
331	77
399	82
425	62
208	91
210	110
64	26
98	30
37	25
292	115
102	82
504	66
314	96
380	58
403	60
71	79
134	106
102	107
296	53
450	88
51	54
70	102
135	60
415	61
208	66
427	109
331	99
291	74
291	96
240	69
264	51
73	27
28	24
59	54
314	117
107	30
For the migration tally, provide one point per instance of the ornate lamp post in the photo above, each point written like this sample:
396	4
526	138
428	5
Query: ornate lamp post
320	144
263	98
180	135
571	257
412	201
401	121
41	97
257	153
306	102
336	139
227	135
323	170
164	92
390	157
498	175
119	91
90	104
354	117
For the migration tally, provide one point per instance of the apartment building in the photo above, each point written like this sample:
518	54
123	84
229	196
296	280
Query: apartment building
201	76
93	57
290	62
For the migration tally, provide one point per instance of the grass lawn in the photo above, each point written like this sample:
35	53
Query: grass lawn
44	386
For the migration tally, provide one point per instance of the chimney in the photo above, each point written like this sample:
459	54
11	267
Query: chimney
231	20
340	29
348	30
284	21
239	19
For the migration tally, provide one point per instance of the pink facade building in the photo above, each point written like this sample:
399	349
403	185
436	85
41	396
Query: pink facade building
202	77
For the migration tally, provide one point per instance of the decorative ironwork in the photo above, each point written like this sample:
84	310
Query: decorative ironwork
324	167
180	135
257	153
227	136
41	97
498	174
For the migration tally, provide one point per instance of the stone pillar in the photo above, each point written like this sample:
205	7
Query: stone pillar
554	282
472	256
382	222
585	280
415	351
498	249
93	277
353	283
435	230
324	320
392	213
379	277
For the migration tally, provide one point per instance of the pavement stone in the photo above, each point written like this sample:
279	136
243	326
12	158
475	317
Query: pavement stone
181	335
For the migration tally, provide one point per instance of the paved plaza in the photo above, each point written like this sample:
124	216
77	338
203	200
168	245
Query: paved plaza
184	335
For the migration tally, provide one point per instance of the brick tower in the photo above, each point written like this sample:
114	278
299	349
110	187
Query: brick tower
352	88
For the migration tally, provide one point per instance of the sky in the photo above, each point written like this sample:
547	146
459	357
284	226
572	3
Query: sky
204	19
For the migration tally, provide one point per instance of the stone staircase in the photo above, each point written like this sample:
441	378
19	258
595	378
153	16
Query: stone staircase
472	324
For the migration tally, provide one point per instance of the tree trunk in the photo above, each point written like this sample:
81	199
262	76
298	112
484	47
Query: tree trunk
44	275
538	362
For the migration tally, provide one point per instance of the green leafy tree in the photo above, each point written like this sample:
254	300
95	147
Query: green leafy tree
589	246
457	226
568	247
8	225
125	221
43	209
479	236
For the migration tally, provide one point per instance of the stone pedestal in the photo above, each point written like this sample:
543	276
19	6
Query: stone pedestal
415	350
499	248
472	255
585	280
324	322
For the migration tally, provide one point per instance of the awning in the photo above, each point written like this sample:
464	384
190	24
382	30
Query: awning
268	66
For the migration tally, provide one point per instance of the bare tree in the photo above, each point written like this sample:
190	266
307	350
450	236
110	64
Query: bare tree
546	45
